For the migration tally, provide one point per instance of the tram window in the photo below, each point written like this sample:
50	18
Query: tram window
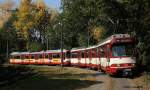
46	56
32	56
68	54
40	56
82	54
74	55
87	54
93	53
90	54
22	56
26	57
56	55
17	57
50	56
102	53
98	52
122	50
36	56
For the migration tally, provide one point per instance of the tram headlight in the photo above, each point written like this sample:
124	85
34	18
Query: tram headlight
133	64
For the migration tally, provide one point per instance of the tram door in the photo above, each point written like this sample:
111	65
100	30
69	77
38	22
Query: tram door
107	53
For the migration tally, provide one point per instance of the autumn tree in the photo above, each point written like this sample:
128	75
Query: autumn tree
7	32
5	11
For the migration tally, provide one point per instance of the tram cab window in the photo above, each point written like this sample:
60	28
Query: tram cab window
56	55
122	50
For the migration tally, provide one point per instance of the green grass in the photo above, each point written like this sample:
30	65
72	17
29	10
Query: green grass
54	78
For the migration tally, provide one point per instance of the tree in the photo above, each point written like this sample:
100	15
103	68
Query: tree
4	11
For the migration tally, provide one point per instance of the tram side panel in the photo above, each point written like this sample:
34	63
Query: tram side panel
74	59
94	59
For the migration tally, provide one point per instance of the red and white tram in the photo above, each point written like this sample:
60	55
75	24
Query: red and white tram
50	57
113	55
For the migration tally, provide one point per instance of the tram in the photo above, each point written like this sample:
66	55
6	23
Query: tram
114	55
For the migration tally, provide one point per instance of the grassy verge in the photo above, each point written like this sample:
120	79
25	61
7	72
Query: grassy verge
54	78
8	73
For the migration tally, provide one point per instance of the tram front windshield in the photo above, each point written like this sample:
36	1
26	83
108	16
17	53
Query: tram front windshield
119	50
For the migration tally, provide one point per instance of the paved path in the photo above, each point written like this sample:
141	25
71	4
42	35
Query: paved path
124	84
111	83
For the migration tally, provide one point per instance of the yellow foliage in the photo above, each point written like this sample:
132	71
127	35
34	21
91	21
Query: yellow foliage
4	13
24	21
54	14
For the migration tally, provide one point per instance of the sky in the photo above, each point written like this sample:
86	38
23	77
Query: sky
49	3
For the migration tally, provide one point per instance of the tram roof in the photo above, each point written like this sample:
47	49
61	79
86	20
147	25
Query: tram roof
41	52
92	47
55	51
19	53
108	40
78	49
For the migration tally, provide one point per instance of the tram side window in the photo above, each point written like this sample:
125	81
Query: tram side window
68	54
40	56
74	55
87	54
50	56
82	54
32	56
102	52
93	53
26	57
56	55
22	56
46	56
17	57
36	56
